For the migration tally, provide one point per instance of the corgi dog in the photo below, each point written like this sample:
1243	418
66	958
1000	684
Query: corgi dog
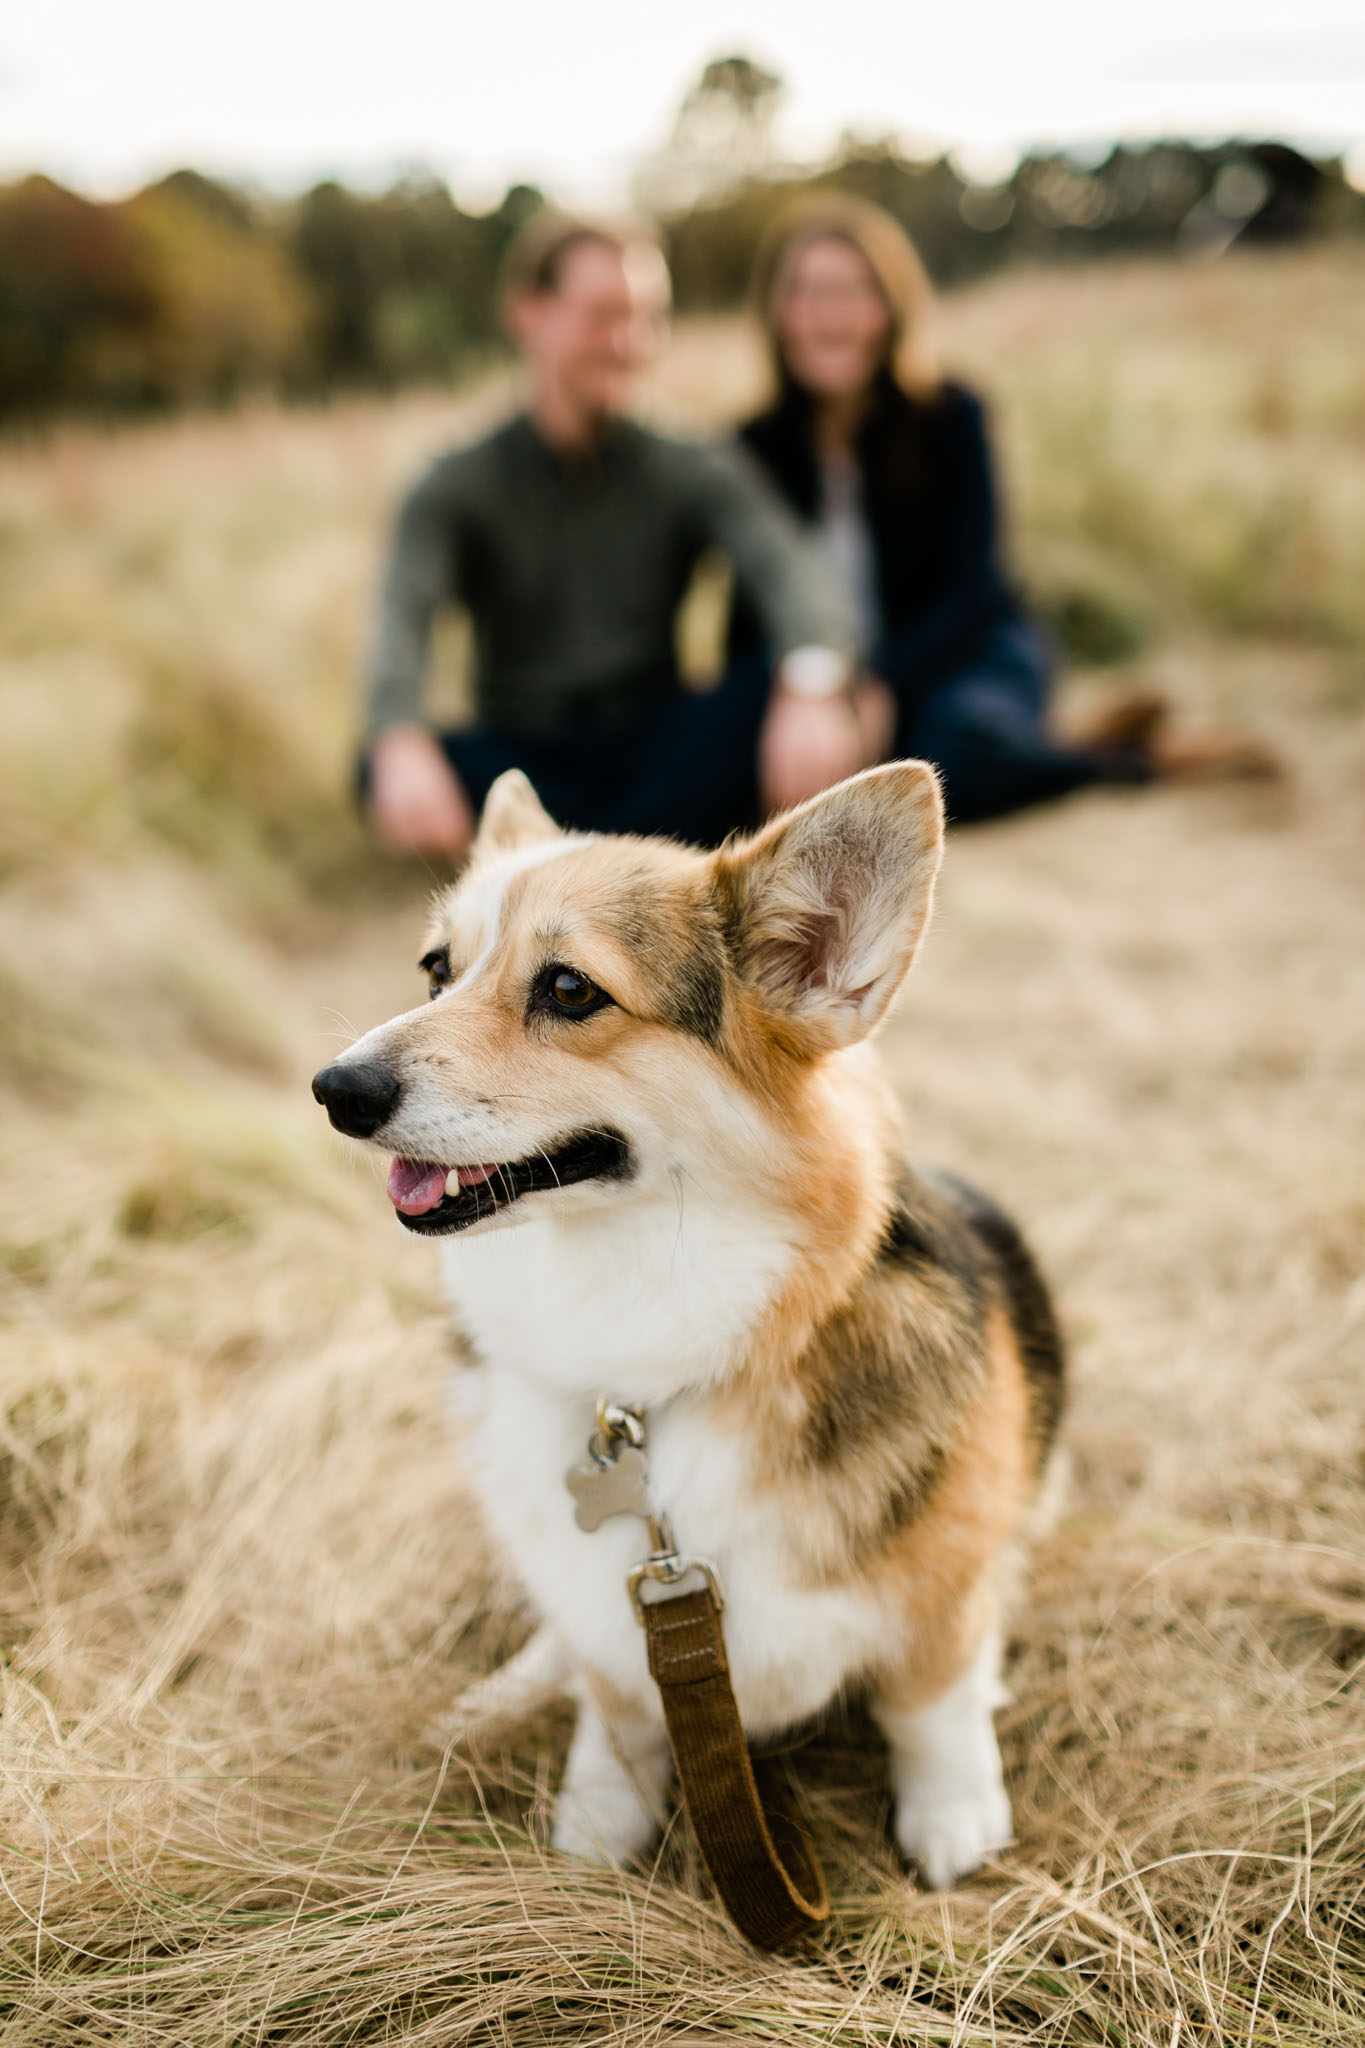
640	1112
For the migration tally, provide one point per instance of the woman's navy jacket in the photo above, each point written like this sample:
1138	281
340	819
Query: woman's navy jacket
930	500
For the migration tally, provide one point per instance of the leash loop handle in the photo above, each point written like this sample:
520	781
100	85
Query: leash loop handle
751	1842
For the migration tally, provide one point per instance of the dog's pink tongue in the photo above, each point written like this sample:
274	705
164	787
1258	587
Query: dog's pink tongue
415	1185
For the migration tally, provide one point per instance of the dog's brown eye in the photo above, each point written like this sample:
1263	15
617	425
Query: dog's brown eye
573	991
566	993
436	966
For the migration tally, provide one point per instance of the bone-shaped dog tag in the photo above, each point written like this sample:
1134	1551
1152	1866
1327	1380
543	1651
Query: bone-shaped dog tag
613	1487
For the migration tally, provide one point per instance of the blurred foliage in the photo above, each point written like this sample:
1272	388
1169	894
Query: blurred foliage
227	310
75	295
191	292
405	284
1174	198
722	134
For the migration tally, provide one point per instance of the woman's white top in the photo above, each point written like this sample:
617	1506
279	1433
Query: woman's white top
844	540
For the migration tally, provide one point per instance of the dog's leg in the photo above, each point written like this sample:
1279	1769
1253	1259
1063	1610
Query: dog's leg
949	1790
535	1675
612	1802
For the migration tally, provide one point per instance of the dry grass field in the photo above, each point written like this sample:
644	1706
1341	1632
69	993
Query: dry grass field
238	1577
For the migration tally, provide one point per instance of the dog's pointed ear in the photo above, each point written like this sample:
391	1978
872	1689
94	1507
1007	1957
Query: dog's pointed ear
826	907
513	816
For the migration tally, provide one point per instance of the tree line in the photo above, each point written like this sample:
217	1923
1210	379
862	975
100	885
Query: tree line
194	292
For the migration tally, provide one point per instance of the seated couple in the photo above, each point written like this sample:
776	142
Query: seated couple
873	617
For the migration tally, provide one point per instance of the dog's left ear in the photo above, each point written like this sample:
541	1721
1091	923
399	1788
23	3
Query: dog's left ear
513	816
826	907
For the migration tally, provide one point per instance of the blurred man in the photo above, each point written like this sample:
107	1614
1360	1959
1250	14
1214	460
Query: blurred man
570	534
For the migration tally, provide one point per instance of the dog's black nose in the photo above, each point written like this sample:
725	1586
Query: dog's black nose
358	1095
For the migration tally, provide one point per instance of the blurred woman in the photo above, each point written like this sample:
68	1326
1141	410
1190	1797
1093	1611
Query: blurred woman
890	466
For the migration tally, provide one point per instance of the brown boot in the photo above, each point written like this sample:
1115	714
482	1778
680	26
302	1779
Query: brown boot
1130	723
1215	754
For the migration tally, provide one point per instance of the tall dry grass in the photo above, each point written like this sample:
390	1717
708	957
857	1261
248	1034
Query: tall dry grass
238	1574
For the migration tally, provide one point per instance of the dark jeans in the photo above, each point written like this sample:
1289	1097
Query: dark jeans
688	768
984	728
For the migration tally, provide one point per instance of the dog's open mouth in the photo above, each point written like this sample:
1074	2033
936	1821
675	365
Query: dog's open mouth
418	1188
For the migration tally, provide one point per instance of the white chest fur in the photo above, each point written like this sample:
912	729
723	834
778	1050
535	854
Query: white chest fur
791	1644
643	1313
636	1300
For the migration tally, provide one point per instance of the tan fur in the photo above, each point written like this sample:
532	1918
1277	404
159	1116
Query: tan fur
941	1566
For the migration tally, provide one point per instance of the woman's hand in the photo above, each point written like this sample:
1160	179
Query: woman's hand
417	804
806	744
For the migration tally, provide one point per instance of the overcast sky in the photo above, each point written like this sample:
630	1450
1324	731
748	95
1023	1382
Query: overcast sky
106	93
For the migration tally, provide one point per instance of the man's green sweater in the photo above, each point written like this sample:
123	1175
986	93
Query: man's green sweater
573	569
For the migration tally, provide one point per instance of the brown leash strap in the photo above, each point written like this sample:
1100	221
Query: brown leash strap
751	1842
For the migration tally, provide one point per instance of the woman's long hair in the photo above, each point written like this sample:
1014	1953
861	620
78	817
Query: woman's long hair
891	257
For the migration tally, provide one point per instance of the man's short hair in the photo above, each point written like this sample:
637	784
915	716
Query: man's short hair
536	255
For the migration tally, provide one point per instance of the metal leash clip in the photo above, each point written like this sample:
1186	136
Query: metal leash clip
667	1568
613	1480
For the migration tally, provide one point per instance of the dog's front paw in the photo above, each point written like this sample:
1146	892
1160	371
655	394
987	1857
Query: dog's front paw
611	1802
948	1838
614	1828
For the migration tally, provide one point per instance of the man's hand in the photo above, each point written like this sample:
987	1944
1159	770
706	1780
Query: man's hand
806	744
416	801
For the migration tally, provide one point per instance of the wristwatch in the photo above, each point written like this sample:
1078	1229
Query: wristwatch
814	672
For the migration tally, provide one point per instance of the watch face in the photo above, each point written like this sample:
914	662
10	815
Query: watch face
814	672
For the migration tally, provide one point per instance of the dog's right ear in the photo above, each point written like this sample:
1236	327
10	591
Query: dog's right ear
513	816
825	908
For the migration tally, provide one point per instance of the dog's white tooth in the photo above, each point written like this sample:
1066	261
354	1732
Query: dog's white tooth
453	1181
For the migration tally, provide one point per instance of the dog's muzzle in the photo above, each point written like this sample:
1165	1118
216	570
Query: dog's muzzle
358	1095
